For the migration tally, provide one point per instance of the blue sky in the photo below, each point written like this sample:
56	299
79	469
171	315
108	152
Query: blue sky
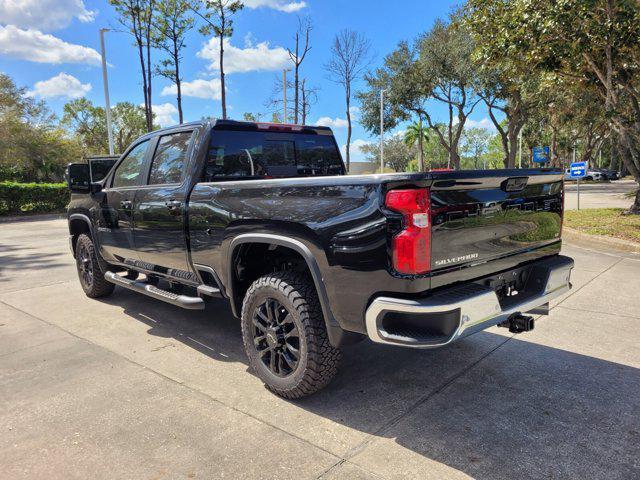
51	47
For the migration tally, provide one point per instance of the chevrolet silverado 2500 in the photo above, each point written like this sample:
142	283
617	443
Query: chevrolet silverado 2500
311	259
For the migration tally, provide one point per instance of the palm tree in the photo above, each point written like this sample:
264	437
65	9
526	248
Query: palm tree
417	134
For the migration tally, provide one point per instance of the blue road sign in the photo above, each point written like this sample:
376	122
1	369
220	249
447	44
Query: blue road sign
541	154
578	170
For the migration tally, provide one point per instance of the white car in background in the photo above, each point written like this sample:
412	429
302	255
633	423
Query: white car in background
591	175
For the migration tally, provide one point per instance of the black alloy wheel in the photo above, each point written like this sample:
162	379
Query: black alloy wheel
85	266
91	269
285	336
276	337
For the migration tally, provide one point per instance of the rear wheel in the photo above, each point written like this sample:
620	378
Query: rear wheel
285	337
91	269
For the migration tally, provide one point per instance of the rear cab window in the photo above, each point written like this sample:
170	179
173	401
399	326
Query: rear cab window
169	159
252	154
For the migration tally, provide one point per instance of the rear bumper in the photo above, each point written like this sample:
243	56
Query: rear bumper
440	319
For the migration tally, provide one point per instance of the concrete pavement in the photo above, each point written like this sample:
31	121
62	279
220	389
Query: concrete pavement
600	195
128	387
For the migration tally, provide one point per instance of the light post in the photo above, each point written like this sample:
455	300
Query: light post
105	81
382	130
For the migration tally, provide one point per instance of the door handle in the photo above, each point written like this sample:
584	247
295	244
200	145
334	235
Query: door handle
173	204
126	204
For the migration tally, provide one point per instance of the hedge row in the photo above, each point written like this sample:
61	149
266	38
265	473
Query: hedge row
23	198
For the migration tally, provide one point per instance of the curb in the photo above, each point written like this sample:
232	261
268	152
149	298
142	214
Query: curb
586	240
33	218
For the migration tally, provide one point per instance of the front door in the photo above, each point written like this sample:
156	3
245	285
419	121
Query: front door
160	206
115	217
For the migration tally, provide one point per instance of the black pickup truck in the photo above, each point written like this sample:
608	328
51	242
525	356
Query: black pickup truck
312	259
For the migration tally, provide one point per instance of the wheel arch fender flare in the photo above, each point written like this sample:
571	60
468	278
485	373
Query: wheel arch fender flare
334	330
75	217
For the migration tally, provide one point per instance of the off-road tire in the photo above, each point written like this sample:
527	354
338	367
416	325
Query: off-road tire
87	257
318	359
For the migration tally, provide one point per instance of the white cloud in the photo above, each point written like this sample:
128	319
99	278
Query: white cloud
164	114
281	5
485	123
332	122
354	150
207	89
35	46
62	85
252	58
43	14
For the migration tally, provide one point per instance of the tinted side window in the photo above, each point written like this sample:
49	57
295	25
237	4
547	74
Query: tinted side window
169	159
130	169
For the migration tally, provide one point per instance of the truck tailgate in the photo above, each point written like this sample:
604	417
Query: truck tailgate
483	217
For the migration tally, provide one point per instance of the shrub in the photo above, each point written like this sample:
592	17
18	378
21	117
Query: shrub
21	198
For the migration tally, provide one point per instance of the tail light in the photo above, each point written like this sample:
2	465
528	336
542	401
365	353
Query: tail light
411	248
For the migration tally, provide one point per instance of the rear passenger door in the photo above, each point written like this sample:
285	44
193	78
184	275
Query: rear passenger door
160	206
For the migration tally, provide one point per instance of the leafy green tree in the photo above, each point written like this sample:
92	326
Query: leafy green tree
591	43
32	147
475	142
416	136
218	16
437	67
172	21
251	117
137	17
88	123
397	155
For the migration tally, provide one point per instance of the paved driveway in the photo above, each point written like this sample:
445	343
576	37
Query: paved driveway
131	388
600	195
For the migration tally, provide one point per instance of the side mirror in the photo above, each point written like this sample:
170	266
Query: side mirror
95	187
78	177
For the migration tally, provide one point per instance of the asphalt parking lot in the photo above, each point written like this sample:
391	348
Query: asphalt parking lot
131	388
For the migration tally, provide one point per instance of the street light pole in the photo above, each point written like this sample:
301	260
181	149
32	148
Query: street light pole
105	81
382	131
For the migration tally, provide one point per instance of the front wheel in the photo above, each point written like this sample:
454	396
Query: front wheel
285	337
91	269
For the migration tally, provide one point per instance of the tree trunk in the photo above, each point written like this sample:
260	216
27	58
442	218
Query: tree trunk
176	60
420	146
554	148
635	208
144	83
222	86
512	138
455	158
304	104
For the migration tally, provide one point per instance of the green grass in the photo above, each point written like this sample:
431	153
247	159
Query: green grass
605	221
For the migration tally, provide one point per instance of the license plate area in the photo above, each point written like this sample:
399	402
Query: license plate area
513	286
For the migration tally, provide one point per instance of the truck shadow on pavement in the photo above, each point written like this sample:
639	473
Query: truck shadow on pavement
489	406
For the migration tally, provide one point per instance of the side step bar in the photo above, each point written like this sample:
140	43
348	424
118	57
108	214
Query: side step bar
184	301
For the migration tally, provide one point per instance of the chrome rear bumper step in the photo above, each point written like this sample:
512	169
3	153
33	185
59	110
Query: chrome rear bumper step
183	301
440	319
